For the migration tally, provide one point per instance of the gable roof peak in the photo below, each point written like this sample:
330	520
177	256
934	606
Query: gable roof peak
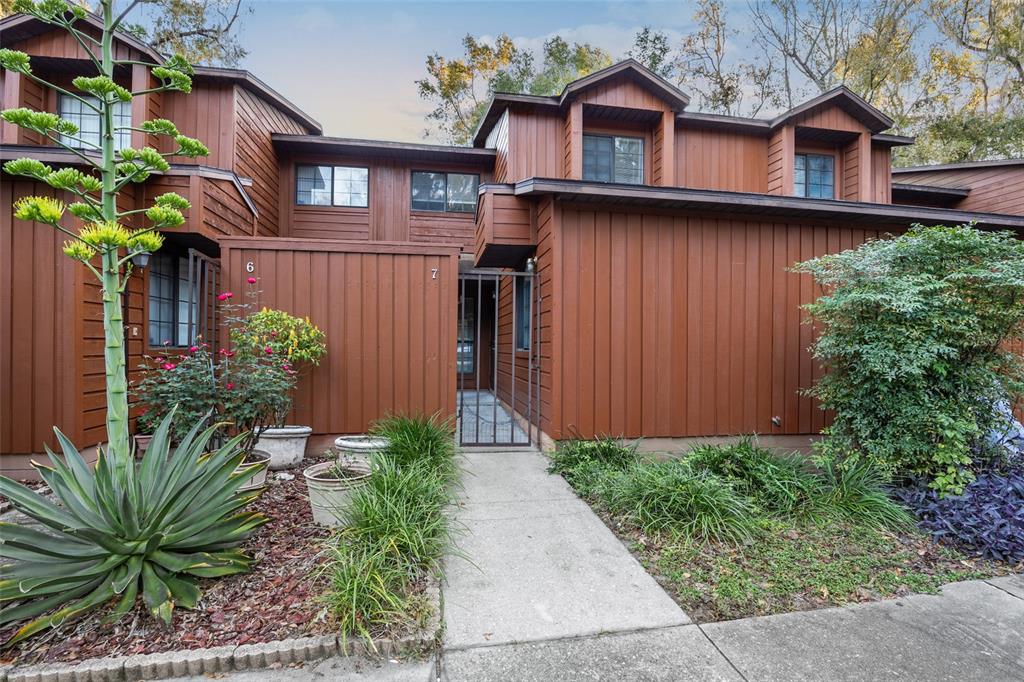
634	70
846	99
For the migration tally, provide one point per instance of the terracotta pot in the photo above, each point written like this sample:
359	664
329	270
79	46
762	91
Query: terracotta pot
358	448
141	444
256	462
328	496
286	445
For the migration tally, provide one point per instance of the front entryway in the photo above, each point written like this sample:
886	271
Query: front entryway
498	387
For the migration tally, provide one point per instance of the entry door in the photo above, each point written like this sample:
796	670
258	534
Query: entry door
498	366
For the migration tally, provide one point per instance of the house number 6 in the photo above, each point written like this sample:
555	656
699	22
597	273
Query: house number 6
250	267
433	273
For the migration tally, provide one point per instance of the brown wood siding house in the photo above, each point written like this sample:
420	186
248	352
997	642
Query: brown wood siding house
665	307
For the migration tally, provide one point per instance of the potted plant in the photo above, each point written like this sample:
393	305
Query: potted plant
330	486
255	463
297	345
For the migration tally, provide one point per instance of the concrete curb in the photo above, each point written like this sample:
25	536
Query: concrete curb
223	659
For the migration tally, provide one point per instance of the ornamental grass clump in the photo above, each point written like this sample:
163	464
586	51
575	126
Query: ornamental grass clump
175	517
397	530
915	334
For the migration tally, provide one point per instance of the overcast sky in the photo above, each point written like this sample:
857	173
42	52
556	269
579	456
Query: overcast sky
352	65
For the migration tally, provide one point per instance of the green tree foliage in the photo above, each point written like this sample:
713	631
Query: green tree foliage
460	88
914	334
653	49
128	528
203	31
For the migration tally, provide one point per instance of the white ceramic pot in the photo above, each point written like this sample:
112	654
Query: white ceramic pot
329	495
358	448
286	445
256	462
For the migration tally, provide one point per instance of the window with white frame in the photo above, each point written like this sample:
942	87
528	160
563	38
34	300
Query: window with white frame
332	186
90	123
608	158
454	192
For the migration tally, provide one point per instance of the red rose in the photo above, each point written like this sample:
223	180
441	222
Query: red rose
169	365
225	296
193	349
230	386
268	350
251	280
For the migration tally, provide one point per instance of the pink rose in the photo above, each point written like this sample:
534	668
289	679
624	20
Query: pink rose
225	296
158	360
251	280
193	349
230	386
268	350
169	365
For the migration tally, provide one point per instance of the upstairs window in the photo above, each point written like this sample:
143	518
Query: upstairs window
613	159
454	192
90	124
332	186
815	176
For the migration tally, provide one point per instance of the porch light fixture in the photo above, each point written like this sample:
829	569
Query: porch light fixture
530	264
140	259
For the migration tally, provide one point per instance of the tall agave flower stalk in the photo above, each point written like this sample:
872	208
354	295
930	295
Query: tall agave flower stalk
124	529
105	245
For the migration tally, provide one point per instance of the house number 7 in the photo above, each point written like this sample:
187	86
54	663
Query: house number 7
433	273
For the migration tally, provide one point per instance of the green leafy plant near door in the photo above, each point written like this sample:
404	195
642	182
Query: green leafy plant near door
126	528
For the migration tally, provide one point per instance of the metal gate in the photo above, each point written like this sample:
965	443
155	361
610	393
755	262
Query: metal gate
203	284
498	358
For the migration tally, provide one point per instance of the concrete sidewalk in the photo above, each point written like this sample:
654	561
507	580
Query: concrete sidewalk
534	562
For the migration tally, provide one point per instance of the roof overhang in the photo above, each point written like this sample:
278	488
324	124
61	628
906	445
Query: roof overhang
906	190
18	27
738	204
847	100
316	144
967	165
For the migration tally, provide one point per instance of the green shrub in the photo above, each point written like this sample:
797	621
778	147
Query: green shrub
914	333
173	519
780	484
671	496
398	529
582	462
429	439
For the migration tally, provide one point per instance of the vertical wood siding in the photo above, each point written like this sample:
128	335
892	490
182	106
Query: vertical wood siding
678	326
207	113
722	160
498	140
536	146
390	325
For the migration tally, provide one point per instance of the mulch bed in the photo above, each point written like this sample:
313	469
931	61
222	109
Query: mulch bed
277	600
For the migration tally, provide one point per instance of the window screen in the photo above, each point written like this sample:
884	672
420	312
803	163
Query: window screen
815	176
613	159
332	186
433	191
89	122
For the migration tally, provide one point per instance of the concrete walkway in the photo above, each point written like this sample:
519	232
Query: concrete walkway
547	592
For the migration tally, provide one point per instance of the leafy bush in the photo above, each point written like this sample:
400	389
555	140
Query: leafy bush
417	438
397	531
671	496
184	380
779	484
857	492
295	338
914	333
255	393
987	519
171	520
580	461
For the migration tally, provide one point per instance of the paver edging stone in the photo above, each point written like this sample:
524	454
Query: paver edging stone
222	659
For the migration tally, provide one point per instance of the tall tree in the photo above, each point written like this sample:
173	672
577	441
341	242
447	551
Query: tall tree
725	85
460	88
652	49
202	31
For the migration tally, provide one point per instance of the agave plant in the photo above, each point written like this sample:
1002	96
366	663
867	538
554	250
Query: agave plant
178	517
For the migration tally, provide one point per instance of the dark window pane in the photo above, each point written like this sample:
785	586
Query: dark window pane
598	158
523	312
462	192
429	191
814	176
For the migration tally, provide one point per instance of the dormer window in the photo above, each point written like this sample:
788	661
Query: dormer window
609	158
90	124
815	176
